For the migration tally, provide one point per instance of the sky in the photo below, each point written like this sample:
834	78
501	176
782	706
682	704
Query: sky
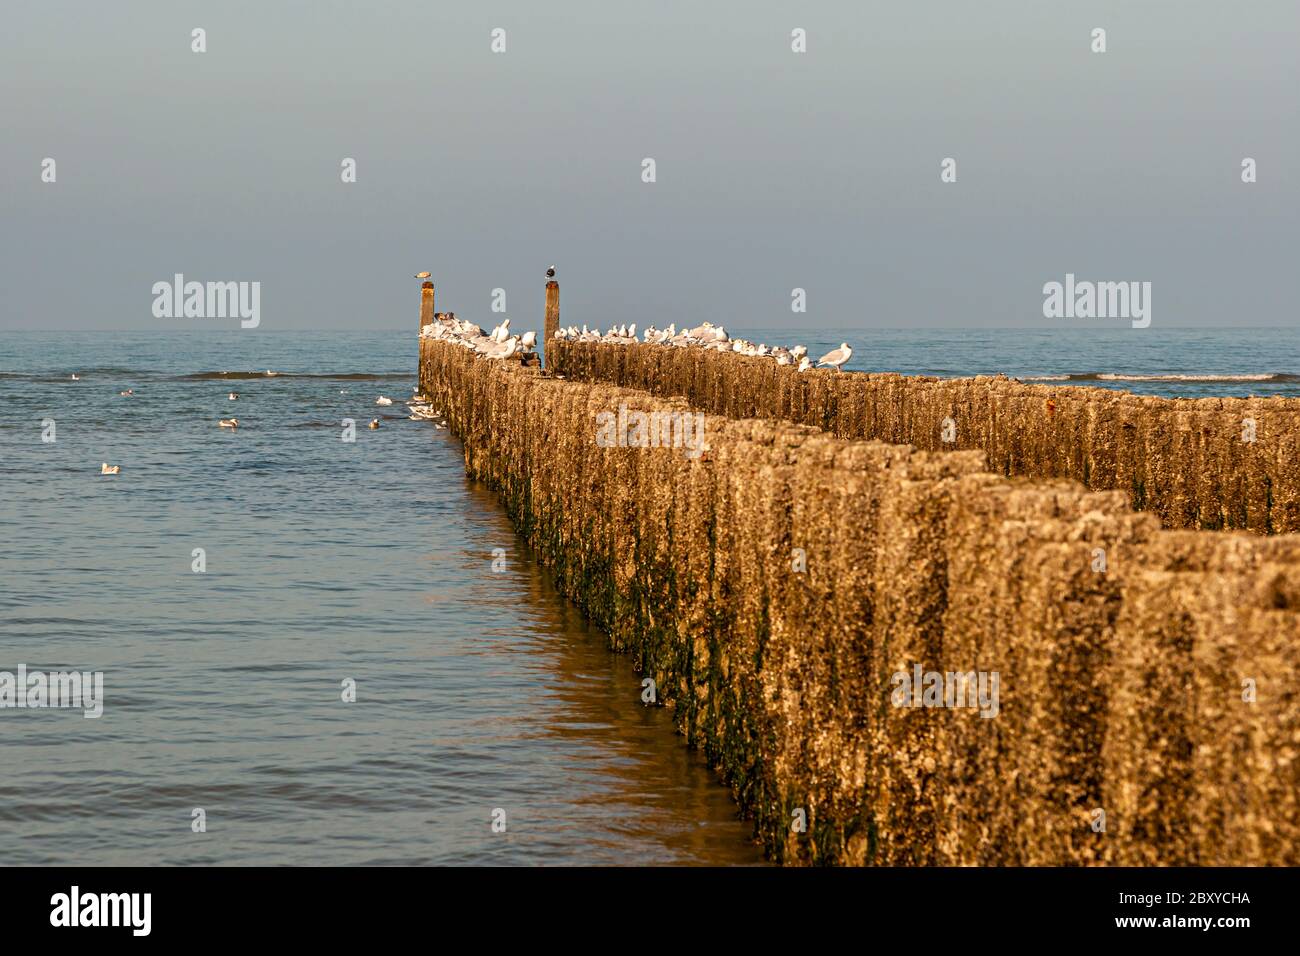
774	170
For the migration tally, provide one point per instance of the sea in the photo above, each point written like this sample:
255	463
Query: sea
319	651
1176	363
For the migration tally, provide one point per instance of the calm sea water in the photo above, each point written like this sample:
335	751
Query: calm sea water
369	561
1190	363
325	561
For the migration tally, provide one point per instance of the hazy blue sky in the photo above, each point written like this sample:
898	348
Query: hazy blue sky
775	169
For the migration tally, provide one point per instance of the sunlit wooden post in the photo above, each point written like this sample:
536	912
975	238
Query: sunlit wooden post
426	304
552	324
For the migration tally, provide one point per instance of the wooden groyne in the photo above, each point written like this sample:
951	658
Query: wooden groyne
775	585
1207	463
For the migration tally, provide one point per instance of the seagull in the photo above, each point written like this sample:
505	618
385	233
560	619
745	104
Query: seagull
550	273
805	364
423	275
838	357
228	423
381	400
129	391
374	423
234	396
76	377
107	469
529	339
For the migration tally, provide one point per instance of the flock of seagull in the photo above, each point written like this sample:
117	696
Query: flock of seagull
708	336
500	343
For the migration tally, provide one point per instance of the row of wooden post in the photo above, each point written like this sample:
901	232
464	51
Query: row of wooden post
552	320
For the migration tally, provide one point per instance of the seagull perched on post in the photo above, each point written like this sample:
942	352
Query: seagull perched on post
423	275
550	273
838	357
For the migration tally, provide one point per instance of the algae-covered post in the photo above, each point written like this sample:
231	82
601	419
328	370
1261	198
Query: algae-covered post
426	303
552	322
1087	678
1207	463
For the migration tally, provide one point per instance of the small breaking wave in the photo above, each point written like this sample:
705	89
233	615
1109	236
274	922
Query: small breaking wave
339	377
1170	377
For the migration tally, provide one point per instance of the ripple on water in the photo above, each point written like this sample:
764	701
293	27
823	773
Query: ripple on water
325	561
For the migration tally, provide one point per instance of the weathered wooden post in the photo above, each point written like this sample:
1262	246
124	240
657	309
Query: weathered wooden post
426	304
552	324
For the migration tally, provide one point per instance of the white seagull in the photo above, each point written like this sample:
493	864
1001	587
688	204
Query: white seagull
529	339
228	423
107	469
234	396
382	400
423	275
505	350
838	357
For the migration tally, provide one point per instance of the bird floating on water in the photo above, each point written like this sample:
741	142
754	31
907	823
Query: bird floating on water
107	469
374	423
129	391
422	410
383	400
76	377
837	357
228	423
234	396
423	275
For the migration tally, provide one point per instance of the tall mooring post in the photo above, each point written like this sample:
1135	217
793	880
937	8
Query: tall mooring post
426	304
552	323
